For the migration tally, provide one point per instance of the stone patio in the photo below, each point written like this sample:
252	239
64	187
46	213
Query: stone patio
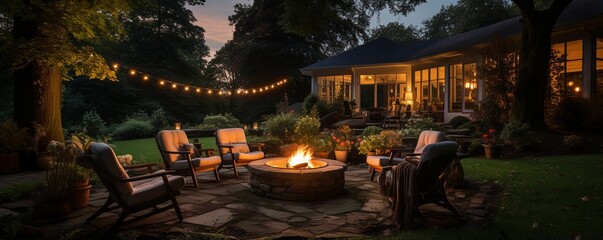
229	208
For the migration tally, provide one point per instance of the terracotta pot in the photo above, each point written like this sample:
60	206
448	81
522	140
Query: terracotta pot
492	151
341	155
79	194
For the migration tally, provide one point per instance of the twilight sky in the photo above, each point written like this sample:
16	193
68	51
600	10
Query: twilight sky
213	17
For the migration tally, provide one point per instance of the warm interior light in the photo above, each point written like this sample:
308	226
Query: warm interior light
467	85
177	125
577	89
570	83
115	66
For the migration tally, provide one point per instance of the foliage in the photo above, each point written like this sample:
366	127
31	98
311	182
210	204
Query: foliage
271	144
311	102
466	15
499	74
490	137
283	105
371	130
222	121
415	126
93	123
158	119
12	138
515	133
571	112
396	32
65	172
468	125
457	121
322	143
555	92
306	129
386	139
19	191
572	141
132	129
281	126
343	139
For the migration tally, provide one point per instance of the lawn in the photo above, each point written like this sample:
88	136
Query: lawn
554	197
145	150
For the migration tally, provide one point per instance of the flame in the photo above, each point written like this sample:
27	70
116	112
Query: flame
303	154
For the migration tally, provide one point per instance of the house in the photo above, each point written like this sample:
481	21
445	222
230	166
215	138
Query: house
441	76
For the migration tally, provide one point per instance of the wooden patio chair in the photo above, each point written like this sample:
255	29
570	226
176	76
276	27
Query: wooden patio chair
410	186
234	149
183	157
132	194
396	156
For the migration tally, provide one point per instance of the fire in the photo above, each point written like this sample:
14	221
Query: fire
301	158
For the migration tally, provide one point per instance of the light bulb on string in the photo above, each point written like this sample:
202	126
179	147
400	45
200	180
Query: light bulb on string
186	88
132	72
145	78
162	82
198	90
115	66
174	85
209	91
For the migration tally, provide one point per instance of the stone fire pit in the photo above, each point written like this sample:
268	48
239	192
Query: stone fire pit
297	184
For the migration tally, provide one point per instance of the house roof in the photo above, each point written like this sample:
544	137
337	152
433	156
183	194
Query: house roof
383	51
378	51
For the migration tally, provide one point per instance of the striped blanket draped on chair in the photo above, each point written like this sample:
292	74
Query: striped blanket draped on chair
402	191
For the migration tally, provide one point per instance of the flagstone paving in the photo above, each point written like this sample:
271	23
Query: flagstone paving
230	208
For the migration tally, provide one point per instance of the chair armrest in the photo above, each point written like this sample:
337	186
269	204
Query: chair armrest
174	152
148	166
401	150
220	146
147	176
256	145
412	161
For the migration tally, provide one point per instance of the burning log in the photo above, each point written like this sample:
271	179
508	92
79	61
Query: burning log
299	165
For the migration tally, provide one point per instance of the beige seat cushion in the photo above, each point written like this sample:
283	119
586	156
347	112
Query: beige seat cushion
154	188
250	156
197	162
233	136
173	141
428	137
381	160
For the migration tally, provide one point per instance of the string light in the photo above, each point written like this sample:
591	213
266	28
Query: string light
187	88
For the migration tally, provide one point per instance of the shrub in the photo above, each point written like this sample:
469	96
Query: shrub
271	144
12	138
93	123
132	129
572	141
281	126
457	121
415	126
468	125
306	129
140	115
371	130
158	119
515	133
571	113
222	121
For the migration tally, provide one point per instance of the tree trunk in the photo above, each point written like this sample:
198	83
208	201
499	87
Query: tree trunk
528	102
38	99
38	86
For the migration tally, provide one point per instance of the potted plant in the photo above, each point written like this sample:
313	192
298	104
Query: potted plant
67	183
12	139
322	146
379	144
342	138
492	147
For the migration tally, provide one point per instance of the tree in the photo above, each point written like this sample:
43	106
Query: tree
535	52
466	15
49	40
396	32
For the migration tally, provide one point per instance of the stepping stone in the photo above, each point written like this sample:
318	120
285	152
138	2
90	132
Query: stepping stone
338	235
7	212
323	228
196	198
254	227
294	234
366	187
297	219
296	208
478	212
478	200
271	213
215	218
374	205
460	195
338	206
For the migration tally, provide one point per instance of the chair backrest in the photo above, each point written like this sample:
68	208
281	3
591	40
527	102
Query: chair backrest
233	136
428	137
435	159
171	140
108	169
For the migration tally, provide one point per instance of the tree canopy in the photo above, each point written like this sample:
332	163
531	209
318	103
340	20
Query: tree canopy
396	32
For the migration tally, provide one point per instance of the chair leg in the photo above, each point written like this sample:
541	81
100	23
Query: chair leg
103	209
176	207
372	169
234	168
216	173
195	182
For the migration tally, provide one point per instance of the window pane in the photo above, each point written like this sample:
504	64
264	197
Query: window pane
433	73
471	88
456	88
574	50
441	73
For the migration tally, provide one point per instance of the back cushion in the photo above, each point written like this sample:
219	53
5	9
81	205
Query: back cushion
428	137
107	163
233	136
172	140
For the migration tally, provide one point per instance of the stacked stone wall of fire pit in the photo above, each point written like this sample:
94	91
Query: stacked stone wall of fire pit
297	185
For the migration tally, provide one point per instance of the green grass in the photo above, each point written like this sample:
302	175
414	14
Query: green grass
542	198
145	150
557	197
